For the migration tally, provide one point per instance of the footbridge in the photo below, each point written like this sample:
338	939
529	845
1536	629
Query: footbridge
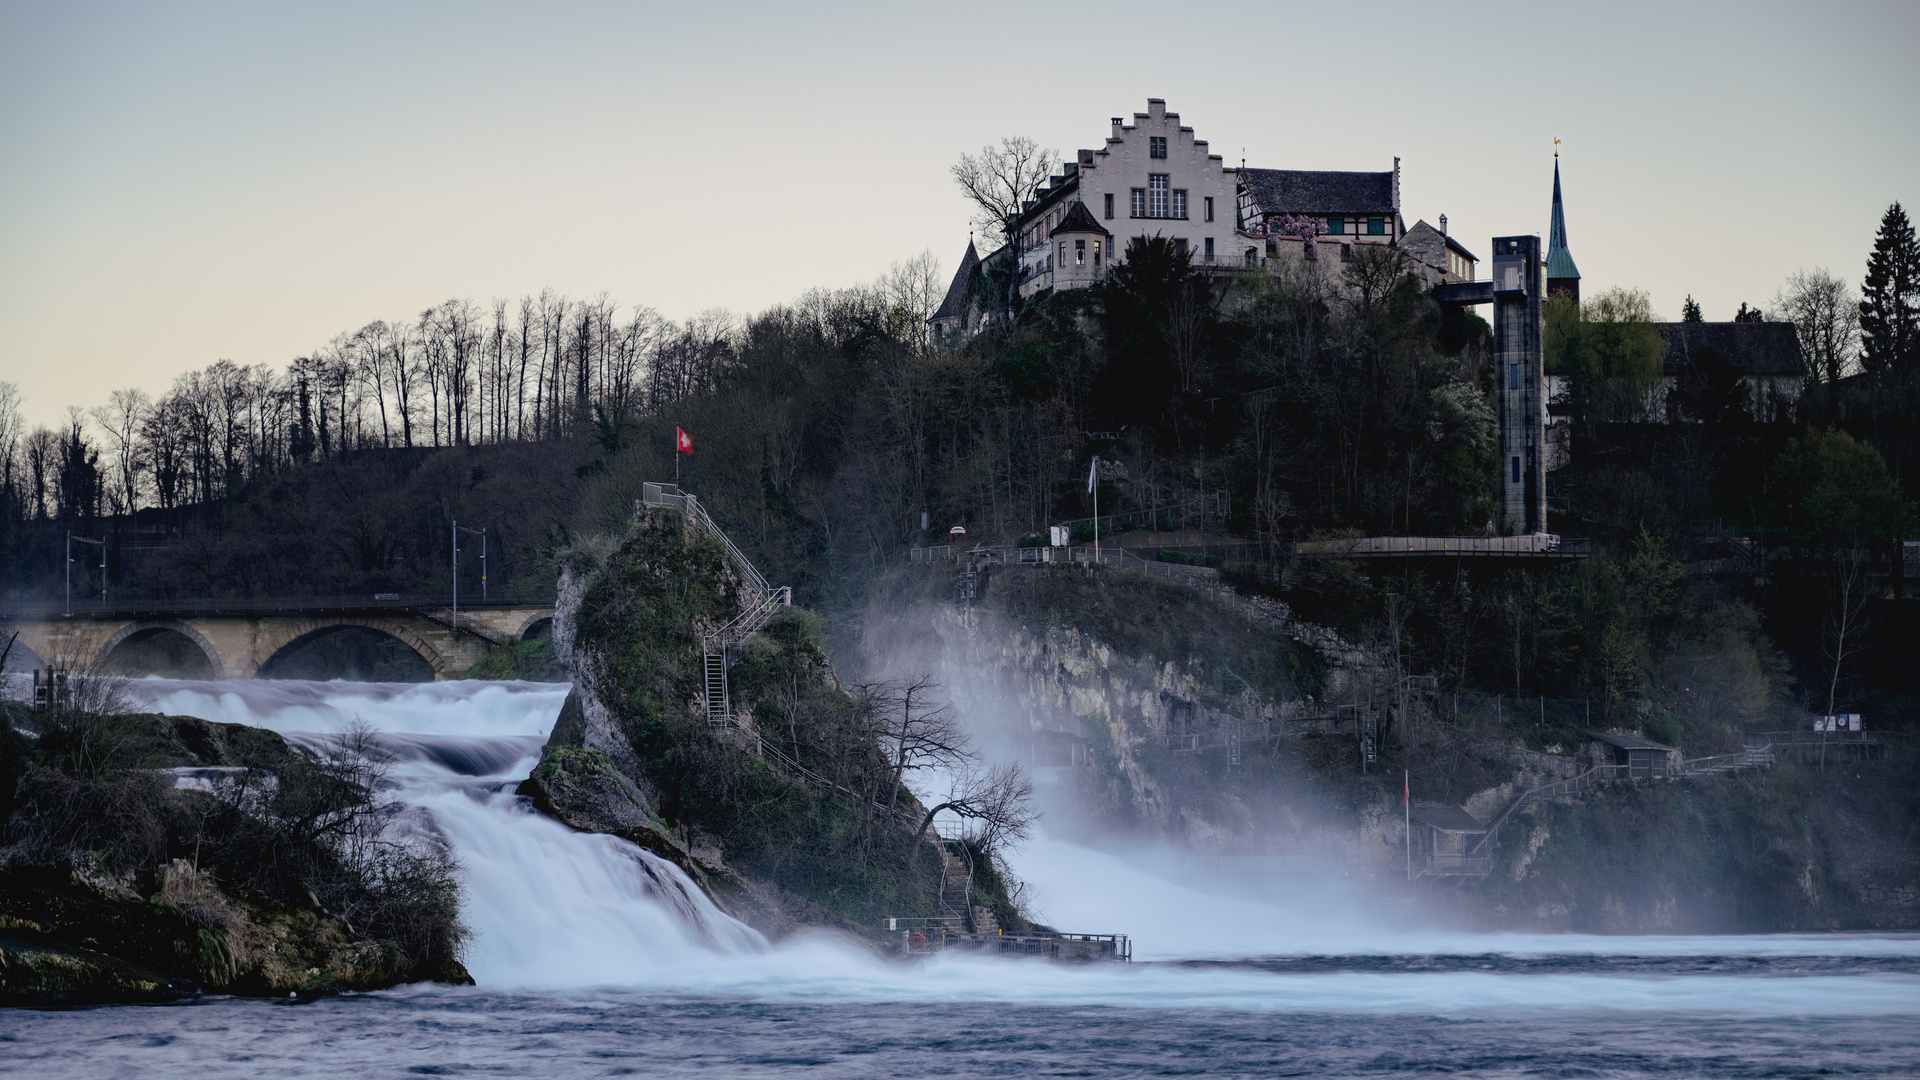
239	636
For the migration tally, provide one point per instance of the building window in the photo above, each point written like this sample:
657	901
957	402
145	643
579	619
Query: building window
1139	202
1063	253
1346	252
1209	249
1336	226
1156	146
1180	246
1096	254
1157	195
1516	470
1109	198
1513	376
1253	257
1109	249
1180	202
1209	205
1376	226
1079	253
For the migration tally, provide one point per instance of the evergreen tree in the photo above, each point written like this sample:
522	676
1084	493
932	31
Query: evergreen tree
1747	314
1690	311
1890	296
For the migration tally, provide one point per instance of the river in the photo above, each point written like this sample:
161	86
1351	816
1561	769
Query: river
594	958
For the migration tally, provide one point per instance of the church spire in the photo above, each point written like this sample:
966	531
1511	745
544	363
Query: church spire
1562	275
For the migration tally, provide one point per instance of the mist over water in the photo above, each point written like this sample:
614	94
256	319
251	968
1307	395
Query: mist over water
594	958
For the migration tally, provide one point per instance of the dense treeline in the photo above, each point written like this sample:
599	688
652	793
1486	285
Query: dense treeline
1332	399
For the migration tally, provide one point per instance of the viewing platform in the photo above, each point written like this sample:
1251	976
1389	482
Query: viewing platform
924	937
1534	546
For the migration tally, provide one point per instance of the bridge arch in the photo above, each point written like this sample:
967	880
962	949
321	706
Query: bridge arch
286	634
141	628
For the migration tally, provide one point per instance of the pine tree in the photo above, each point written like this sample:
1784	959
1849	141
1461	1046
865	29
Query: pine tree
1890	296
1690	311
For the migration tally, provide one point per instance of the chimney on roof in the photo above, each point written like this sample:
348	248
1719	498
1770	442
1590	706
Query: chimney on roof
1443	224
1116	121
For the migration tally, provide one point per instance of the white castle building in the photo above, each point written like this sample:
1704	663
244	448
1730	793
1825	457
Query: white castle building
1155	177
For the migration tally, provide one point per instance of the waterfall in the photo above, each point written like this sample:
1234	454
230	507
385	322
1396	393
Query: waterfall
549	907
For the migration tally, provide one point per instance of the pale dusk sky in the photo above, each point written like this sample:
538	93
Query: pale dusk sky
183	183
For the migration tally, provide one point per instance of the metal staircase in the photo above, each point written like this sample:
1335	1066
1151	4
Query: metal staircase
718	649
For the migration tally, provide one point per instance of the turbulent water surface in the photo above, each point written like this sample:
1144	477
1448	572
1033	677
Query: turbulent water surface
594	958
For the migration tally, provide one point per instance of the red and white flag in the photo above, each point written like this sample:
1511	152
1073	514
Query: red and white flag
684	441
1406	790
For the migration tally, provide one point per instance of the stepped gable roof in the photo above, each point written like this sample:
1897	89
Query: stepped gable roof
960	293
1446	818
1559	259
1300	191
1078	220
1754	349
1626	742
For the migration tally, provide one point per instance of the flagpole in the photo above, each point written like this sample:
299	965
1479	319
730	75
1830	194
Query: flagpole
1096	509
1406	804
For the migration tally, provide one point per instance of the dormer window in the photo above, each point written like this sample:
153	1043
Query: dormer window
1157	146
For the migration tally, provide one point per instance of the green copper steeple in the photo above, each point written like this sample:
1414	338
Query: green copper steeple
1560	268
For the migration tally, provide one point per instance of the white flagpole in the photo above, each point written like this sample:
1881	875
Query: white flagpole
1406	803
1093	485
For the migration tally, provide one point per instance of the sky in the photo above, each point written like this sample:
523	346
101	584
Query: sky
187	182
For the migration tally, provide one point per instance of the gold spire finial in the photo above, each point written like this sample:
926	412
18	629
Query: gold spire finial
1556	148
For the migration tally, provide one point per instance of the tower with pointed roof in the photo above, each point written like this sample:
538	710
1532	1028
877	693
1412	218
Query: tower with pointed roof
1563	278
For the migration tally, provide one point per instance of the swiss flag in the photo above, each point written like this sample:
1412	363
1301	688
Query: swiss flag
684	441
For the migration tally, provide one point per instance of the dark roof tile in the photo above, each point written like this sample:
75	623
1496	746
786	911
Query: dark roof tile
960	293
1078	220
1299	191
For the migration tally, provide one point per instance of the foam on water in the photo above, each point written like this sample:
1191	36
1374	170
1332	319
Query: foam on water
556	909
548	906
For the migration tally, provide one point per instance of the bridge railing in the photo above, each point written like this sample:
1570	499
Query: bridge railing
262	605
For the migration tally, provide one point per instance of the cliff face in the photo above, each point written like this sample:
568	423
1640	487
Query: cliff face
1122	692
1790	848
1126	695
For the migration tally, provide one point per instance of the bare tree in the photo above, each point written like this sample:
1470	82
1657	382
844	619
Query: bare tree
1001	180
121	418
912	291
1825	313
998	804
920	731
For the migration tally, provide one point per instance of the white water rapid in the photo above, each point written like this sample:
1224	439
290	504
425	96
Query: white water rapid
549	907
563	911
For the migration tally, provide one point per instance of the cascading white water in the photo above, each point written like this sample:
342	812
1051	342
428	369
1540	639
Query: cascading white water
548	906
553	908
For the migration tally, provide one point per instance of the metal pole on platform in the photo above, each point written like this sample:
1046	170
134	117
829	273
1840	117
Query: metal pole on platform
1406	790
456	572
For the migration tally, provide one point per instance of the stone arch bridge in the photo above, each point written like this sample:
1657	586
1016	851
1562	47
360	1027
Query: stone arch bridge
238	637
